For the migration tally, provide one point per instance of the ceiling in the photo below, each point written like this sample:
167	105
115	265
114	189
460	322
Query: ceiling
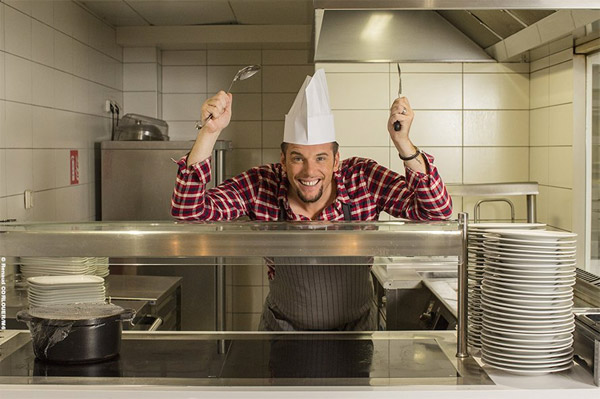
119	13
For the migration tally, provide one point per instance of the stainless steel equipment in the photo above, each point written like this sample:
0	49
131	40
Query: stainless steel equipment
529	189
587	339
260	359
134	127
162	294
138	177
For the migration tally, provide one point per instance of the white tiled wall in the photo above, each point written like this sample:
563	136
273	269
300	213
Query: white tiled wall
58	64
473	118
551	134
259	103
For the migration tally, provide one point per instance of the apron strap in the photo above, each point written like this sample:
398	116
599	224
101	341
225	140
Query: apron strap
282	215
347	213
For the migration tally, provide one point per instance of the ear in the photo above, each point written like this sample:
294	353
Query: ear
282	160
336	162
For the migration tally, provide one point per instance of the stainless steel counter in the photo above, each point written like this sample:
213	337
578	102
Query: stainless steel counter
258	359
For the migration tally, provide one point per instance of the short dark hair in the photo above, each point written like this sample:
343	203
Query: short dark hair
335	147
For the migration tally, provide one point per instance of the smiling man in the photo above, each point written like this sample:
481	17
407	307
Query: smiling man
311	183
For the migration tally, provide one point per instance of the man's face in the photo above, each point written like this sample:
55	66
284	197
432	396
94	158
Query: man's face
310	170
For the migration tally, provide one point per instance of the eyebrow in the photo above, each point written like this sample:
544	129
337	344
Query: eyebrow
318	155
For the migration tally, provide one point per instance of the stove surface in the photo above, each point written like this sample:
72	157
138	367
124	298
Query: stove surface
287	360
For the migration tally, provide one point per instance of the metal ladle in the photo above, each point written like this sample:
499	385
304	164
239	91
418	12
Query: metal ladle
242	74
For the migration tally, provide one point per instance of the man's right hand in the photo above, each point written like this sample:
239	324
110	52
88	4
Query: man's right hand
219	106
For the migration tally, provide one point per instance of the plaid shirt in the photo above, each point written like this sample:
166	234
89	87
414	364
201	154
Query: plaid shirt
366	186
258	193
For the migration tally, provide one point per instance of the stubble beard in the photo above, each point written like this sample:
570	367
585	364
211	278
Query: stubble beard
310	200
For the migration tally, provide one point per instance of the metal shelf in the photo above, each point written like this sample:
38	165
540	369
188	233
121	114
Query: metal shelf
232	239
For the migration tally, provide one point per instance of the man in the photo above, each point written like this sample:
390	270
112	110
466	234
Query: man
311	183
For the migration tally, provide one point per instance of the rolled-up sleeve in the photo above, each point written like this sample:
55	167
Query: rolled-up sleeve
416	196
192	201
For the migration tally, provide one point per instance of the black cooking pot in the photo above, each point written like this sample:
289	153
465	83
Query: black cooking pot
76	333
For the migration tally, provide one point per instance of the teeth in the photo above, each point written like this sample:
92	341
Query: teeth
309	183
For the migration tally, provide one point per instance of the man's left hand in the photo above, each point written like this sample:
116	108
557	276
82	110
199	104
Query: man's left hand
403	113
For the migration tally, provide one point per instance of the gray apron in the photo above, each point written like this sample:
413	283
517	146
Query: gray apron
327	293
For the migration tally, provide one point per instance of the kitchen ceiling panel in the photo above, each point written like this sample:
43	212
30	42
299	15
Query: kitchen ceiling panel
470	26
273	12
530	17
115	12
499	21
176	12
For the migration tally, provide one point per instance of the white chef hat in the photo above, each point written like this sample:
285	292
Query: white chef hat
310	120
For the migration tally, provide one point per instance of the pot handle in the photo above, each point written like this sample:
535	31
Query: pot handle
24	316
128	314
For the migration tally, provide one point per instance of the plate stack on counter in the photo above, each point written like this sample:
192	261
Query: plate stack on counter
527	300
52	290
476	264
34	266
102	267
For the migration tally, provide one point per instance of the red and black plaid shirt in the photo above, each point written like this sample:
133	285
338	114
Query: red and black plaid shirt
258	193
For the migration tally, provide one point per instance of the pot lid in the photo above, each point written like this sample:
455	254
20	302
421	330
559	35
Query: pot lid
76	311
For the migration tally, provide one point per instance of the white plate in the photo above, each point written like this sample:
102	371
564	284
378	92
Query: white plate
491	251
525	298
524	370
538	252
519	226
529	355
517	333
541	342
525	312
529	361
531	265
509	315
524	283
523	305
521	241
551	291
528	286
534	234
542	248
65	280
560	276
524	348
527	279
507	268
517	329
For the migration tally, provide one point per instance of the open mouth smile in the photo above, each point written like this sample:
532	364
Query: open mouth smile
309	183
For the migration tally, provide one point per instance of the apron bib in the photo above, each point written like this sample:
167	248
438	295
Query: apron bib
327	293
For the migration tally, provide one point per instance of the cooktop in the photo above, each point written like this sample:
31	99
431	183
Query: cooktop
284	360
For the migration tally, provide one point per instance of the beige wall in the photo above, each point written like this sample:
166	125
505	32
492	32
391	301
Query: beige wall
473	118
551	132
58	64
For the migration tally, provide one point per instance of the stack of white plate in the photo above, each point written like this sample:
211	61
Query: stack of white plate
50	290
476	263
527	300
102	267
33	266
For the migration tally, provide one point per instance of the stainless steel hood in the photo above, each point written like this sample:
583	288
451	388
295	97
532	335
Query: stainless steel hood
391	36
444	30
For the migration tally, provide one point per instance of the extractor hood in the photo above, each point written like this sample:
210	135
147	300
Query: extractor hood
391	36
444	30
